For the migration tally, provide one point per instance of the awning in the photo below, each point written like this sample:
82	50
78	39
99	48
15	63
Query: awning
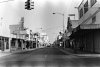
86	28
90	26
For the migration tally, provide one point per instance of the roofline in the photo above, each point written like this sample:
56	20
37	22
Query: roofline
80	4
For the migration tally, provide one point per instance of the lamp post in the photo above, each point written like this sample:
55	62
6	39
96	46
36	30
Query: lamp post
63	25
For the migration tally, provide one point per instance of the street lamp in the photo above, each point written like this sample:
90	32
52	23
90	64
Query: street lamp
63	20
63	24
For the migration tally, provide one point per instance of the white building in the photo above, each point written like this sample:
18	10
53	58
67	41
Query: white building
43	39
18	35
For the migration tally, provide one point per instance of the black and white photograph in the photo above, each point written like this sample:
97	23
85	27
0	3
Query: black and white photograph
49	33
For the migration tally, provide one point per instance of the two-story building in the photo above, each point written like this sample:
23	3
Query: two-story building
18	36
86	35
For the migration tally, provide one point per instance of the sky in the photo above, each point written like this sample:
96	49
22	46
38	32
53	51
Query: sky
40	17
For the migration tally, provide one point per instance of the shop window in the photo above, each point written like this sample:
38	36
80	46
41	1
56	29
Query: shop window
13	43
94	19
0	45
7	43
86	7
0	42
2	38
81	12
93	2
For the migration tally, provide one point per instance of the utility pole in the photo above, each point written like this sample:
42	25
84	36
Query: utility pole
63	26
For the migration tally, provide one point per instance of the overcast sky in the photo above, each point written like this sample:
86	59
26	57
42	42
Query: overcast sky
40	16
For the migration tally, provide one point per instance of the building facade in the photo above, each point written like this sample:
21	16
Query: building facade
21	37
86	36
43	40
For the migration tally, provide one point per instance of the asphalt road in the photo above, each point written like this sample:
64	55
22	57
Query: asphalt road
48	57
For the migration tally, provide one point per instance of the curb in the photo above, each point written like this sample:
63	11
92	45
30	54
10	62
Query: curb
87	55
24	50
80	55
9	53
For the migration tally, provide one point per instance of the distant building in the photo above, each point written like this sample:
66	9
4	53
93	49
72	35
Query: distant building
18	30
43	39
7	41
18	36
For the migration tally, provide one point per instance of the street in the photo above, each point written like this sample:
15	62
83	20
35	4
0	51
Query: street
47	57
49	33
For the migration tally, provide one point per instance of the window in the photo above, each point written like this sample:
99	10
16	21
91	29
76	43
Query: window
81	12
93	19
86	7
7	43
93	2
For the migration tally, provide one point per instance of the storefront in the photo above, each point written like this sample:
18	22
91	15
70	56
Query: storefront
86	38
14	44
4	43
17	44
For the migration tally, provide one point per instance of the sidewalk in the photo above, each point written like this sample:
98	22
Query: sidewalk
3	53
75	51
18	51
79	53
